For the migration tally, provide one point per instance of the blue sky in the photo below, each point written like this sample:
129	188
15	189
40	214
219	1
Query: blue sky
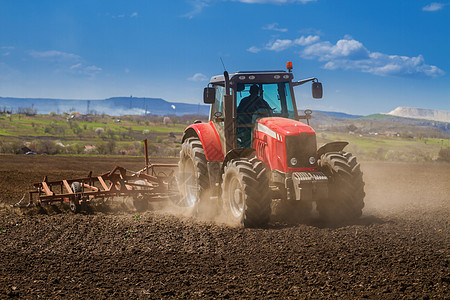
371	56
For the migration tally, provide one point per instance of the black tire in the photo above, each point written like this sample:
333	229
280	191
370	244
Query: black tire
193	178
74	202
246	193
345	187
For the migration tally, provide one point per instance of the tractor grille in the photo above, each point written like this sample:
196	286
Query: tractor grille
301	147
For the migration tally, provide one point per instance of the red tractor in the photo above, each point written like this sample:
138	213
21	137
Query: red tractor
255	151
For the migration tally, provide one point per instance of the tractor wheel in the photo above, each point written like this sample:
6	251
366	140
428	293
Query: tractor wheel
76	187
345	189
246	193
139	202
193	180
74	202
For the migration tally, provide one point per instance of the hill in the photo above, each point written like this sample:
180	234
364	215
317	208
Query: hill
421	113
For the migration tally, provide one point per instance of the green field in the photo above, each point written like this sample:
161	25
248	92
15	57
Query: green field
377	147
63	134
105	135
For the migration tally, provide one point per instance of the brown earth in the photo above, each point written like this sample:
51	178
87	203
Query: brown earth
398	249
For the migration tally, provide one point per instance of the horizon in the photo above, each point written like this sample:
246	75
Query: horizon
170	102
370	56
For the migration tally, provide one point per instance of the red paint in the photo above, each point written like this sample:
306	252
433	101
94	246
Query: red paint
210	140
272	151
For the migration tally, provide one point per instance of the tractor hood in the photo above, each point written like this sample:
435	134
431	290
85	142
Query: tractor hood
283	126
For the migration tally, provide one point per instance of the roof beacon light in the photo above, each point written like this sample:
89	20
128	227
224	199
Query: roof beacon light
289	66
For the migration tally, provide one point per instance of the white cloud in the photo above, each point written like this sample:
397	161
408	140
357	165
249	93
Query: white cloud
198	77
304	41
350	49
274	27
199	5
197	8
279	45
274	1
82	69
253	49
124	15
54	55
349	54
76	66
434	6
66	62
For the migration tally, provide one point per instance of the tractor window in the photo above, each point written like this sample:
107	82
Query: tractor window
276	95
220	91
259	100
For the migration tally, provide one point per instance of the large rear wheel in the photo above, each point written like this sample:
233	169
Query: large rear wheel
193	178
345	189
246	193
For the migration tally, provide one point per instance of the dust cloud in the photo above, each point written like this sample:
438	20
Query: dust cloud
392	188
411	188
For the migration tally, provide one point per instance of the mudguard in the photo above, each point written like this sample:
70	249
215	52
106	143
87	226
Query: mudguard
237	153
331	147
208	137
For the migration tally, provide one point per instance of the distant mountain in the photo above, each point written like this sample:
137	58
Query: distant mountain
421	113
339	114
112	106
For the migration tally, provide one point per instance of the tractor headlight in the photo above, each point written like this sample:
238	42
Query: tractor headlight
312	160
293	161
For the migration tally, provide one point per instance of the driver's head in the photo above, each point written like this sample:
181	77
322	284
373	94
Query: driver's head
254	90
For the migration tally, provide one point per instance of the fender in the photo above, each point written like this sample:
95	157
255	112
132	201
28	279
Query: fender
331	147
208	137
236	153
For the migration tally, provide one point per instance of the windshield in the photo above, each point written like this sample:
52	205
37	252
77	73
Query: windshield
259	100
276	95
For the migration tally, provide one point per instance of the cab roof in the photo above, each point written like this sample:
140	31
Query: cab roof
254	76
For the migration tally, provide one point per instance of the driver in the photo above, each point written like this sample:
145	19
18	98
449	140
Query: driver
248	108
251	104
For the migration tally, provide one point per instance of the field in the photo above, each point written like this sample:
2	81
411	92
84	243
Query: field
398	249
76	134
390	148
106	135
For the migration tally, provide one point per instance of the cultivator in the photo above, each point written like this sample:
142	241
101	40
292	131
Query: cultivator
154	183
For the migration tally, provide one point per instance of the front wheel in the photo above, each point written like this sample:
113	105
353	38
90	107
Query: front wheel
246	193
345	189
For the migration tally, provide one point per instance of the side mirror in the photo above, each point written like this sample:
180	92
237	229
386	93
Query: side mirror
317	91
209	95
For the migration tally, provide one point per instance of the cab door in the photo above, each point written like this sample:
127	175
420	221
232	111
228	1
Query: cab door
217	115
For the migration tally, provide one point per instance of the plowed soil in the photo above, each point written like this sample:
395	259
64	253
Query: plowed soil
398	249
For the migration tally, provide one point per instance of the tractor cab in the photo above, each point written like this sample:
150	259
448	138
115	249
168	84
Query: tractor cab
246	96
